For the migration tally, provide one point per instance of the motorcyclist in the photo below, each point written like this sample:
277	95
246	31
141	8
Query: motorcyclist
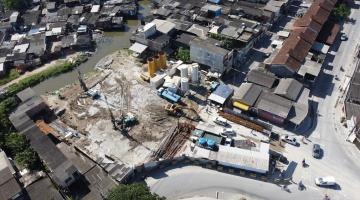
303	162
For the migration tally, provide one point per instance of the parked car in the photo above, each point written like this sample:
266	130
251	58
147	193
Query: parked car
344	37
221	121
228	132
290	140
325	181
316	151
228	142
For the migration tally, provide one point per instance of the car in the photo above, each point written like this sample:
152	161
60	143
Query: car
344	37
316	152
325	181
228	132
228	142
221	121
290	140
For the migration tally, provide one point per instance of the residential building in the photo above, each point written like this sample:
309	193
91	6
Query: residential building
62	171
9	186
205	52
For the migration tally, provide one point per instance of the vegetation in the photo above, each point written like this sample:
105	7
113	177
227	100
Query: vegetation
28	159
341	12
183	54
16	4
11	75
18	147
132	192
225	42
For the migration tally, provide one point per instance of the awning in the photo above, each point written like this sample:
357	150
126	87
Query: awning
241	106
138	48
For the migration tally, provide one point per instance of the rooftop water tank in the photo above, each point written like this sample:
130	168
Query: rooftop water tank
184	84
202	141
195	73
211	143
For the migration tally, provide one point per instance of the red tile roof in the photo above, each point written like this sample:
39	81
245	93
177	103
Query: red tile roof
317	13
306	33
325	4
287	60
306	29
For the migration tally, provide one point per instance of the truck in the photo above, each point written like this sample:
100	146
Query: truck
168	95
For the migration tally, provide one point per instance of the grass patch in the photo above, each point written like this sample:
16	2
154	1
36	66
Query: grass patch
11	75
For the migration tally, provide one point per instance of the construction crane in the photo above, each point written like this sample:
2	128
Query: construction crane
113	121
124	122
82	83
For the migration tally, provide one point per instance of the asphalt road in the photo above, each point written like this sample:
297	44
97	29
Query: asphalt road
341	159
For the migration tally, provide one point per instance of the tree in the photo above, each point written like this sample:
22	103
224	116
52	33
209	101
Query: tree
15	143
16	4
183	54
28	159
134	191
341	11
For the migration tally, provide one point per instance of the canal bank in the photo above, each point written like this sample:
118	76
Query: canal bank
106	45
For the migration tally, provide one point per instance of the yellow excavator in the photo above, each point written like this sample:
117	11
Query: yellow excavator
181	111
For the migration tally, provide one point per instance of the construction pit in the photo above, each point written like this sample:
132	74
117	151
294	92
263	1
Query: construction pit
121	91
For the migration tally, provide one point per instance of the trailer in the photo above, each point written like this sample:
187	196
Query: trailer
168	95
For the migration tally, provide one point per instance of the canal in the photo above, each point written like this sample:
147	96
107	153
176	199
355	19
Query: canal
109	43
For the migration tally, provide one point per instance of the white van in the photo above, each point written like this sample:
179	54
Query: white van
325	181
221	121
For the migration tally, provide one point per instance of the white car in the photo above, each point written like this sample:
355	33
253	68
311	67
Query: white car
228	132
290	140
325	181
228	142
221	121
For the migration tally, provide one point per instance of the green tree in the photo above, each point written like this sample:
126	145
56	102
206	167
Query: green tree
341	11
183	54
16	4
134	191
28	159
15	143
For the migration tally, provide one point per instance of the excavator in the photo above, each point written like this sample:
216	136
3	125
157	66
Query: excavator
122	123
177	110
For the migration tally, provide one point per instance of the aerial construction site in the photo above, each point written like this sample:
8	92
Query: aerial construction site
116	113
134	111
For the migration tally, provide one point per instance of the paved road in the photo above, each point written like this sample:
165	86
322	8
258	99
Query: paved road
340	157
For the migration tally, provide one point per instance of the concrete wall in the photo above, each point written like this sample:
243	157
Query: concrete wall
207	57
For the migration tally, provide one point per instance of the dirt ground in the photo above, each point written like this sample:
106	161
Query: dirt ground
122	91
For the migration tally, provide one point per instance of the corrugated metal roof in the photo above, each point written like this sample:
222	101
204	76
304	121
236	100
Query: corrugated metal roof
247	93
221	94
289	88
261	78
274	104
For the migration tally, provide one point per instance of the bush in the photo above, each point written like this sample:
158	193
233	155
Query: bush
132	192
342	11
17	4
183	55
28	159
15	143
11	75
